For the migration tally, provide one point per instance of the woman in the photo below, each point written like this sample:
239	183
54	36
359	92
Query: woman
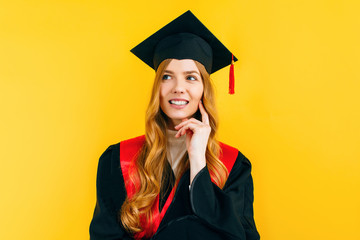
176	181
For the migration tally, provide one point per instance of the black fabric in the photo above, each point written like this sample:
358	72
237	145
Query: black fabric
167	185
111	193
184	46
204	212
184	38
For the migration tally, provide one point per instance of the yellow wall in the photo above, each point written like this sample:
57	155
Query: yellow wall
69	87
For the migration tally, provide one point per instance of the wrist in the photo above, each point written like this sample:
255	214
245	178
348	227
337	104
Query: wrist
197	162
196	165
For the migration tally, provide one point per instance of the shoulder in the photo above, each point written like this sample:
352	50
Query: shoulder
108	161
228	151
131	143
135	142
230	155
239	166
131	147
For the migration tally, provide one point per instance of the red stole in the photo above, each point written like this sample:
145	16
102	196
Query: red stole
129	150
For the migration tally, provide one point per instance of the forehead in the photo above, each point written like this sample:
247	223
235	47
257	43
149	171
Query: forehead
182	65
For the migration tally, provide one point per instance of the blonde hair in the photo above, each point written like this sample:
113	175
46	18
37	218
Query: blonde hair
151	161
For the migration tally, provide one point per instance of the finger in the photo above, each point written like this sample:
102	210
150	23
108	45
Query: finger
186	122
186	130
188	127
182	131
182	121
204	115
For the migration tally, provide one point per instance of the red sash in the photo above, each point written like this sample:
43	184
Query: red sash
129	150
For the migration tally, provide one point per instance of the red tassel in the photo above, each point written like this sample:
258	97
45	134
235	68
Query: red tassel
232	77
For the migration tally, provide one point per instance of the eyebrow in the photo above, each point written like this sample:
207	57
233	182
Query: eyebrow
186	72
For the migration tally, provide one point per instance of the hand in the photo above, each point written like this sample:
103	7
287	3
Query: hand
197	136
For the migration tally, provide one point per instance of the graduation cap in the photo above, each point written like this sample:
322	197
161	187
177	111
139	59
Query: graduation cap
186	38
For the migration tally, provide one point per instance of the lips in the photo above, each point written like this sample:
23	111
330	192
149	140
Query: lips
178	101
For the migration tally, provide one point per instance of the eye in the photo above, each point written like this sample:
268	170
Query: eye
192	78
165	77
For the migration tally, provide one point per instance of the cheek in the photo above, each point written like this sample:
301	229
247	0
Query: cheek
163	93
197	93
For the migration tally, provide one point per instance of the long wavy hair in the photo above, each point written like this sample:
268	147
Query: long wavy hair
152	160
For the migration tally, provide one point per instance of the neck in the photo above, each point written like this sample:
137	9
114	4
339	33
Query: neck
172	123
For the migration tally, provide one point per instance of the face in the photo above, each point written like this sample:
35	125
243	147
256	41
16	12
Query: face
181	89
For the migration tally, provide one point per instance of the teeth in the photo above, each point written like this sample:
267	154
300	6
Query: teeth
178	102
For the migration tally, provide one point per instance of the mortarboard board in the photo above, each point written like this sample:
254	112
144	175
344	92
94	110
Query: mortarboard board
186	38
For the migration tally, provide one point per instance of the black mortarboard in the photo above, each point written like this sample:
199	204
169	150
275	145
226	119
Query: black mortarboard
186	38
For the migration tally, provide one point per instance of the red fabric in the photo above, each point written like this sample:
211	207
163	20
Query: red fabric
232	77
129	150
228	155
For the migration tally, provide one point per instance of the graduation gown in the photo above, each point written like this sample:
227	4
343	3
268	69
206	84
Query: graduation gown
200	211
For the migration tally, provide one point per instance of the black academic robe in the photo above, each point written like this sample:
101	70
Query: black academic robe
201	211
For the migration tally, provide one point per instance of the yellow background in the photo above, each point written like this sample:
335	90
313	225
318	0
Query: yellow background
69	87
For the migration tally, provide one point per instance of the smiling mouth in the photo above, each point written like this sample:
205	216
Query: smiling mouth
178	103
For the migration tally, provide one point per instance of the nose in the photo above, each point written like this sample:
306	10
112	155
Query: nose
179	86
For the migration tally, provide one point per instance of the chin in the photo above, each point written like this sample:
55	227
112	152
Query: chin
179	116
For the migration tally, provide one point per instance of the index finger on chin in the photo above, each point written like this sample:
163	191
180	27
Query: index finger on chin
204	115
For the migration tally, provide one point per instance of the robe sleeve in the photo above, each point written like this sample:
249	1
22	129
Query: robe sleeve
228	210
110	194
